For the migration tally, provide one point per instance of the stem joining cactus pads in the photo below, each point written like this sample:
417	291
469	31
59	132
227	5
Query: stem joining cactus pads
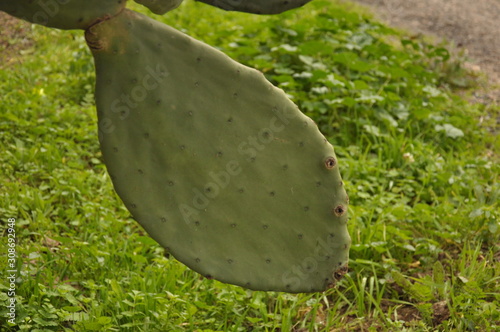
216	163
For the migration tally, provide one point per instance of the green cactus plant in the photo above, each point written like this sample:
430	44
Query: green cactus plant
256	6
216	163
160	6
63	14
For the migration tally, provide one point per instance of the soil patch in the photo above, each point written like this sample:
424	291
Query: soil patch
13	38
472	25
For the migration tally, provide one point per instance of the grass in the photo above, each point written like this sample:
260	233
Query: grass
420	164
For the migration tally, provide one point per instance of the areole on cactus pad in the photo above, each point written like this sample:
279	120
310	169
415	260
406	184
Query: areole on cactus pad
216	163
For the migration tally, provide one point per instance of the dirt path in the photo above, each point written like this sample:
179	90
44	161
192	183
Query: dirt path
471	24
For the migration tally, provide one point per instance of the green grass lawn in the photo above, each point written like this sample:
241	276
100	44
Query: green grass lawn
421	167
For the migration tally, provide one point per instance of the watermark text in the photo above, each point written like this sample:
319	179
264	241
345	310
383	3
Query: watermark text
11	270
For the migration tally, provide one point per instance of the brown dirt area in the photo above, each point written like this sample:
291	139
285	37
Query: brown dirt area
471	25
13	38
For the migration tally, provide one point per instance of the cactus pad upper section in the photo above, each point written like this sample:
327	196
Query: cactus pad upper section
256	6
63	14
160	6
216	163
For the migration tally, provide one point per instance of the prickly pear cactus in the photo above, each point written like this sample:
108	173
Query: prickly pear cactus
216	163
62	14
256	6
160	6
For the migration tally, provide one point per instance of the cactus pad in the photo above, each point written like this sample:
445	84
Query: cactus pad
216	163
67	14
256	6
160	6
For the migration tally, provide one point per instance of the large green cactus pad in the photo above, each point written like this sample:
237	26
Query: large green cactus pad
216	163
62	14
160	6
256	6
